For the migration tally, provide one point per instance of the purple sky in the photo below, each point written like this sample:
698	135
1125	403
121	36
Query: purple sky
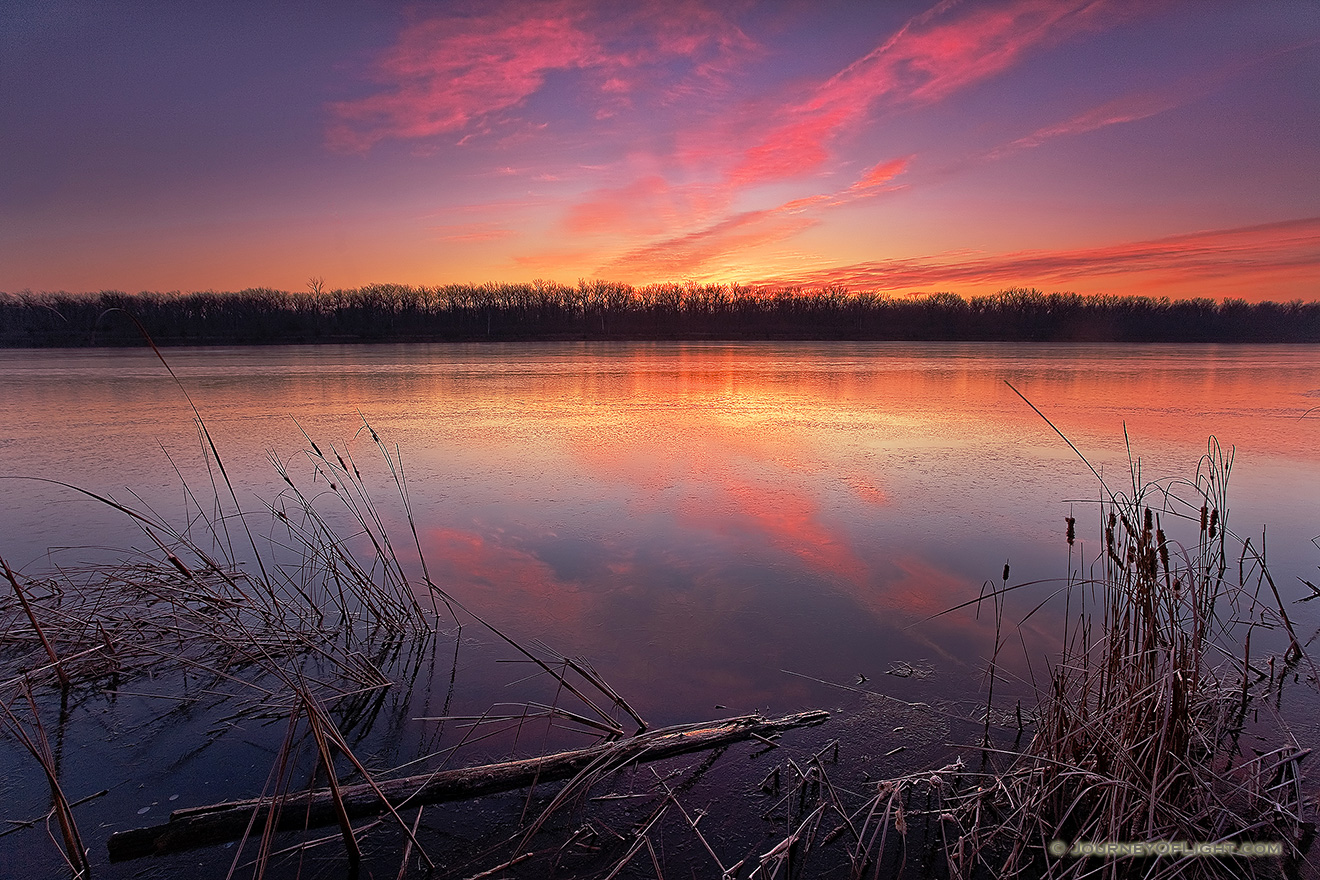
1165	148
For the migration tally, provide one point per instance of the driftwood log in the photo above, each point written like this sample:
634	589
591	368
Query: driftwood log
217	823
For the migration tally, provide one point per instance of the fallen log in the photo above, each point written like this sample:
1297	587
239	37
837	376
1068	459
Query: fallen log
194	827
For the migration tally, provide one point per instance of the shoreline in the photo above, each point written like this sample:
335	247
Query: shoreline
605	312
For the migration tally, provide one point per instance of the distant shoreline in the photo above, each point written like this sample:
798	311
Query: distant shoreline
598	311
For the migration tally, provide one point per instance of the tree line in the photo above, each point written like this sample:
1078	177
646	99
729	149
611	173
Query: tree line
603	310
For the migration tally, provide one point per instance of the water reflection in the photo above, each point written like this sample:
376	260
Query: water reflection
694	519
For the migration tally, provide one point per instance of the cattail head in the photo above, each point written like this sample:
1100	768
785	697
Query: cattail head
1204	512
1072	530
1005	572
1214	522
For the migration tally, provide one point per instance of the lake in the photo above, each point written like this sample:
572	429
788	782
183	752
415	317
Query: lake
717	528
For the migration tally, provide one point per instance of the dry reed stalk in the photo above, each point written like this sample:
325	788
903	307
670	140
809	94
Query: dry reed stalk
1134	718
328	762
782	854
640	839
277	781
671	798
408	845
38	745
36	627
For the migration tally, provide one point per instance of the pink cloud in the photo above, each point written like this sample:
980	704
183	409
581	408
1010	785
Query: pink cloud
792	149
444	73
649	205
1128	108
1143	105
934	55
1254	251
449	72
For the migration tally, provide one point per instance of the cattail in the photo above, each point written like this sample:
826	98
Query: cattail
1164	550
178	564
1214	521
1204	512
1072	530
1005	572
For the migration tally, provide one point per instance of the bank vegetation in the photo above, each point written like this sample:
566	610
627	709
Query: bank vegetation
599	310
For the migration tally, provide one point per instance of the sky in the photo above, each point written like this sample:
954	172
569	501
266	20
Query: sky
1151	147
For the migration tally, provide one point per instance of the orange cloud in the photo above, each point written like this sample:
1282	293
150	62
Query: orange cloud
948	48
471	232
694	253
880	174
645	206
717	248
1275	248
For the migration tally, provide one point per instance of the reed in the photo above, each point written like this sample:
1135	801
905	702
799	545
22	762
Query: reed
314	625
1139	728
1141	731
35	741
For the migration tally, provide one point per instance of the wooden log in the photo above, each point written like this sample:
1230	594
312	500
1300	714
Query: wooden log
193	827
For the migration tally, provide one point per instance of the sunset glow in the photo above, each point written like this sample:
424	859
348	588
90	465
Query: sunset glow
1095	146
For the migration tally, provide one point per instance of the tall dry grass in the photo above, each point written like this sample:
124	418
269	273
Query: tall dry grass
308	610
1140	726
